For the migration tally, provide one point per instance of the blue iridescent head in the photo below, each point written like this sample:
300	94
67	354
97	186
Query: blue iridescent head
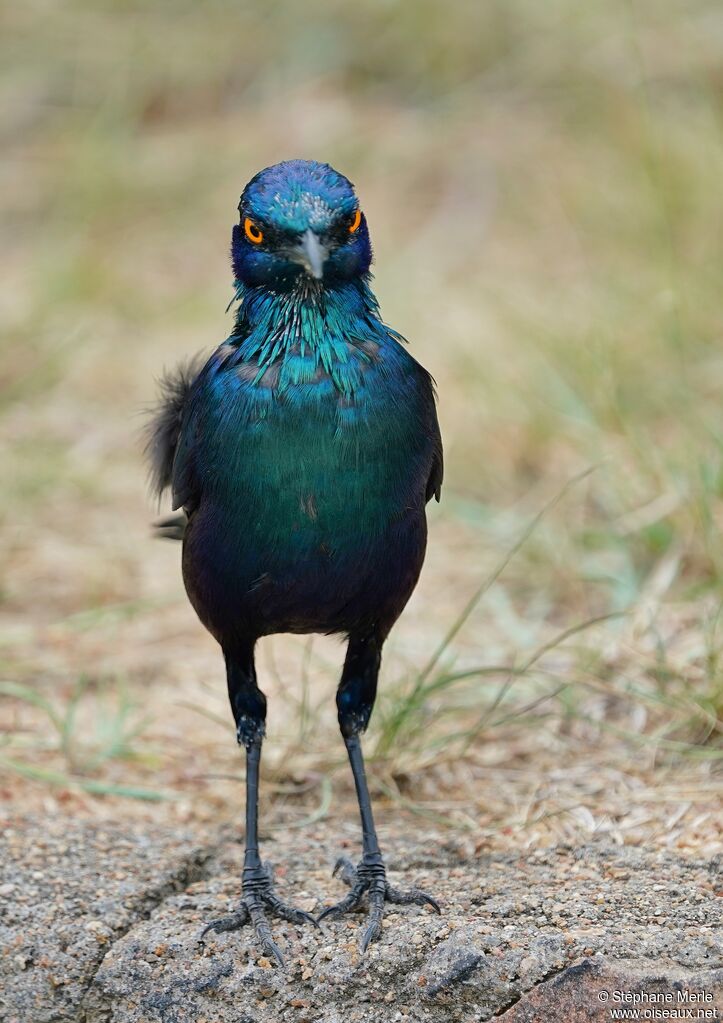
300	221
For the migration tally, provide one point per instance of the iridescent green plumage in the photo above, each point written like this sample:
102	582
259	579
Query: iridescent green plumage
303	454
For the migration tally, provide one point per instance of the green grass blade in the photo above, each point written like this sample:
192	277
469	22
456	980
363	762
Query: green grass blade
27	695
92	785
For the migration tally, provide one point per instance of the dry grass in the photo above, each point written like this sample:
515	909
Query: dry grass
542	184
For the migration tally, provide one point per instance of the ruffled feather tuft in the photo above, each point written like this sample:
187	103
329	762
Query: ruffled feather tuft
164	428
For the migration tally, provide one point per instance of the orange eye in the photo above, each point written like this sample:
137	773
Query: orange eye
354	226
252	232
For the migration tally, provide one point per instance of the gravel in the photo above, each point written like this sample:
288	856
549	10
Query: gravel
101	924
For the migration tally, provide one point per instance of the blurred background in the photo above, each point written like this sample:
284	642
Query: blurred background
543	188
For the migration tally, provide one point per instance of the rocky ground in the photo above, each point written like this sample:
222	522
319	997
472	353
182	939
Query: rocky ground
101	924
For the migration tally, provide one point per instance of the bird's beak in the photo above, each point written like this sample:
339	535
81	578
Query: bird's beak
311	253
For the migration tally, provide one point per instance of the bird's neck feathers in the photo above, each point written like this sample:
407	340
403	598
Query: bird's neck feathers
309	331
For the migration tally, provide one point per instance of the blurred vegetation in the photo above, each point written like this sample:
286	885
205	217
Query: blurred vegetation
542	183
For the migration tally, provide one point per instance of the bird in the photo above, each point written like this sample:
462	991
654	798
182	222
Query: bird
300	457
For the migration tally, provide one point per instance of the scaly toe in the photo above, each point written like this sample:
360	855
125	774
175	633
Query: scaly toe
370	877
289	913
262	929
348	903
269	946
345	869
227	923
414	897
377	894
259	897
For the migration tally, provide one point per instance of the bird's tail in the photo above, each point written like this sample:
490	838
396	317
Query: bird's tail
173	527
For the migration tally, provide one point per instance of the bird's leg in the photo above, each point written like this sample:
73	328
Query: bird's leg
249	708
355	700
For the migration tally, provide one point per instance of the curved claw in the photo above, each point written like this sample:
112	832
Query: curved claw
370	934
258	897
346	871
415	896
290	913
366	879
349	902
227	923
271	948
377	894
262	929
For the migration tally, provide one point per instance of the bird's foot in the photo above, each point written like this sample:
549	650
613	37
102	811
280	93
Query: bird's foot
259	898
370	877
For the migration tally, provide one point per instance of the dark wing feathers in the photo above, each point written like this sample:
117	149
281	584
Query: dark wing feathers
164	431
436	472
436	475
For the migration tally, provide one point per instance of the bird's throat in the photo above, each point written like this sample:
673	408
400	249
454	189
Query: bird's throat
319	328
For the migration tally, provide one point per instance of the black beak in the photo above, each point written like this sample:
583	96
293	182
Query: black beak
311	254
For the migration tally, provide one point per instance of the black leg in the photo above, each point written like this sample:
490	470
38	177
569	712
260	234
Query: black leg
249	709
355	701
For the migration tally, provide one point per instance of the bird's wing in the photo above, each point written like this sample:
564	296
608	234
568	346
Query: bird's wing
436	472
436	475
169	447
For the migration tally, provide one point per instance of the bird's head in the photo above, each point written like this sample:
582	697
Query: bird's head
299	220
